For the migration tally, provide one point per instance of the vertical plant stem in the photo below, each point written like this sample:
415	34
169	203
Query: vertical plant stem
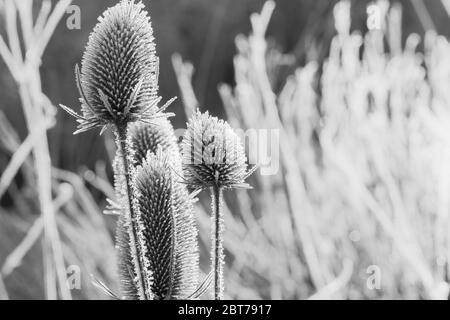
50	285
51	235
3	291
217	244
53	254
37	115
124	152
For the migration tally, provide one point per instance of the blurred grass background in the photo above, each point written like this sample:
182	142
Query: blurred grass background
312	237
203	33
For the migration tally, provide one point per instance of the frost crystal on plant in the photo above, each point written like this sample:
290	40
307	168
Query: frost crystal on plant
146	140
149	137
126	266
167	229
213	154
118	84
118	81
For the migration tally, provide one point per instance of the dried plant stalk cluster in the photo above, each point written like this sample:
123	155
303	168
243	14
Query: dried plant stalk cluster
156	230
358	207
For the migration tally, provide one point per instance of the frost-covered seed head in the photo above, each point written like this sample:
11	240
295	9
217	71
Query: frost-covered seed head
156	219
149	137
213	154
118	81
147	140
167	228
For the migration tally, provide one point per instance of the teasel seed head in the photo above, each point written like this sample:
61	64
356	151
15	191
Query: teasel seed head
167	229
149	137
146	140
213	155
118	81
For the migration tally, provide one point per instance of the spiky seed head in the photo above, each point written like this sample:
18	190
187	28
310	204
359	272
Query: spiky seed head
167	233
146	140
149	137
118	81
119	56
213	154
167	229
156	223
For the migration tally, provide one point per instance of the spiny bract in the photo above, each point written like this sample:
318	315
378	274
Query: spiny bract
167	229
213	154
118	82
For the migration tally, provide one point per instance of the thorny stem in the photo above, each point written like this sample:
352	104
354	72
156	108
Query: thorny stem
217	243
124	152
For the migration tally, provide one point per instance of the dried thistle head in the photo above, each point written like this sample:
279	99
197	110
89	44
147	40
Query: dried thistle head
144	138
167	231
213	155
146	141
118	81
149	137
